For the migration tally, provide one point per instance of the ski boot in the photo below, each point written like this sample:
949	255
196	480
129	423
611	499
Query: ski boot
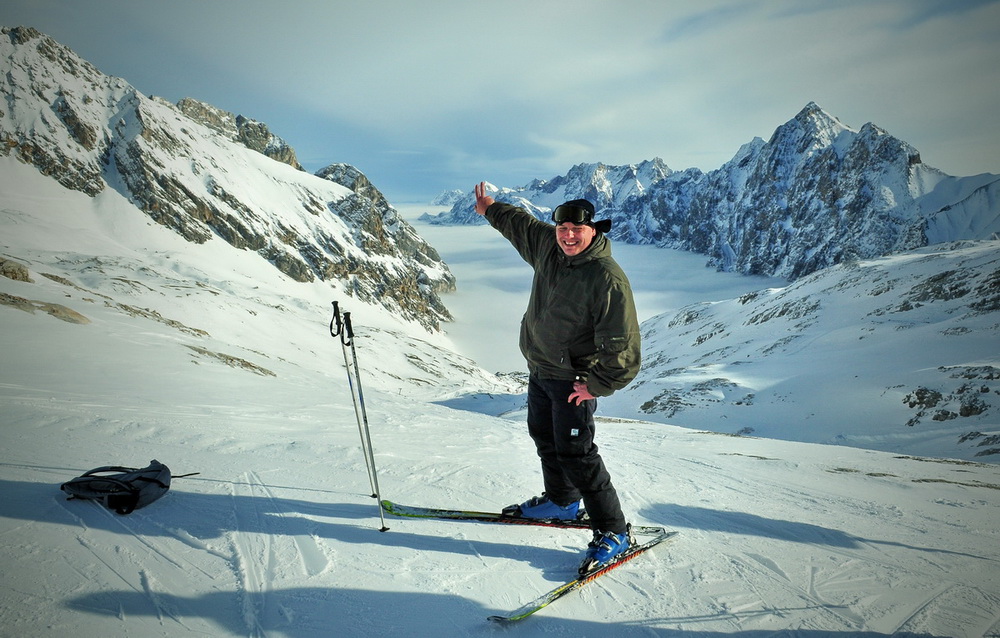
540	507
604	548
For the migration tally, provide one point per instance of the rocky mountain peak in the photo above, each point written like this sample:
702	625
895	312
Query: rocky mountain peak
251	133
350	177
814	117
21	35
812	130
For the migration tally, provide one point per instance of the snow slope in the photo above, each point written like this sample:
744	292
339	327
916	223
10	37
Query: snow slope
898	353
132	344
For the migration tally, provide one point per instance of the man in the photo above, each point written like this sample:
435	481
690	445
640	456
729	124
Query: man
580	337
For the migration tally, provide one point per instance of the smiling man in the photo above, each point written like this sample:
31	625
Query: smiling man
580	337
574	238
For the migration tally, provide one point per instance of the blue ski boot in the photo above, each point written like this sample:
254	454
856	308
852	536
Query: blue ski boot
540	507
605	547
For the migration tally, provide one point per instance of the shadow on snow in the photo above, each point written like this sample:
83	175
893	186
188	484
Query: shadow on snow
363	612
703	518
212	515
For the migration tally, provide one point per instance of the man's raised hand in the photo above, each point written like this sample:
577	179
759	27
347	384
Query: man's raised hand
483	201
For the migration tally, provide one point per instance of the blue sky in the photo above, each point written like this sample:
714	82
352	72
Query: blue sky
428	96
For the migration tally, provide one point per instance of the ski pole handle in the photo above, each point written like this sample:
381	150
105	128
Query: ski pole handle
335	332
343	327
348	333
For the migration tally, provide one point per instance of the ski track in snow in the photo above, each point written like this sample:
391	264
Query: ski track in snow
253	562
268	549
844	558
133	560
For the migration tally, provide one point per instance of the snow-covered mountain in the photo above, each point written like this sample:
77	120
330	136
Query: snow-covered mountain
448	198
211	175
818	193
607	186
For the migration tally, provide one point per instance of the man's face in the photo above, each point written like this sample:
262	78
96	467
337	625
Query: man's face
574	238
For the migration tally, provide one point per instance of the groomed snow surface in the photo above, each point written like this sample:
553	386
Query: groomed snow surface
205	358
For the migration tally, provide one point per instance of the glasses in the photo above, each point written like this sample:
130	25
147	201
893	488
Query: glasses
572	214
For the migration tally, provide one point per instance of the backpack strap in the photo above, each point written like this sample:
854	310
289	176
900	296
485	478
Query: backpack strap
110	468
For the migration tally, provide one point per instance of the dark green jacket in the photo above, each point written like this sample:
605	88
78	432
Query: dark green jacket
581	318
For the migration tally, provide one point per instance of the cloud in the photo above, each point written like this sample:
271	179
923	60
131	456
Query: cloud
526	89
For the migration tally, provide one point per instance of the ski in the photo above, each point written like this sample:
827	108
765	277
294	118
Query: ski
548	598
408	511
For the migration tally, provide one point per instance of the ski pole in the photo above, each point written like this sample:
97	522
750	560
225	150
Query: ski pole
349	331
340	332
345	331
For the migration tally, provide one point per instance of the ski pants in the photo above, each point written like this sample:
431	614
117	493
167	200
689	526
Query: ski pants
572	469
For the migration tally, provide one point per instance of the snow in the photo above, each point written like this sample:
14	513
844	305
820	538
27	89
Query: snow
278	535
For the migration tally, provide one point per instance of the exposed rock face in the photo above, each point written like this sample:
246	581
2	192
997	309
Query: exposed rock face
14	270
816	194
251	133
380	231
58	311
51	137
199	170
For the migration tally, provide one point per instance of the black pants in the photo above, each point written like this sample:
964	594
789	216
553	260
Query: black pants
572	469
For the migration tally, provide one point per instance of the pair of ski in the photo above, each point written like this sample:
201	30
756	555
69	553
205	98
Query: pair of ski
658	535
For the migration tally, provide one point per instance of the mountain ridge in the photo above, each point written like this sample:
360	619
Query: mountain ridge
212	176
814	195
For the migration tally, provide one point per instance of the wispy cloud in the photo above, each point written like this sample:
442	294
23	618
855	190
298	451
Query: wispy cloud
526	89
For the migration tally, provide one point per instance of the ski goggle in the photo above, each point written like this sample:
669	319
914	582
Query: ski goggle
567	213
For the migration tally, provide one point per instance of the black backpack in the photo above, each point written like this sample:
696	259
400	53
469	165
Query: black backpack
122	489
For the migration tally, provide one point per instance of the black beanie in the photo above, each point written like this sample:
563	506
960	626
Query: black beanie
603	226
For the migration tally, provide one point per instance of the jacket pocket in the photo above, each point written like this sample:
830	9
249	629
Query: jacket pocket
613	345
